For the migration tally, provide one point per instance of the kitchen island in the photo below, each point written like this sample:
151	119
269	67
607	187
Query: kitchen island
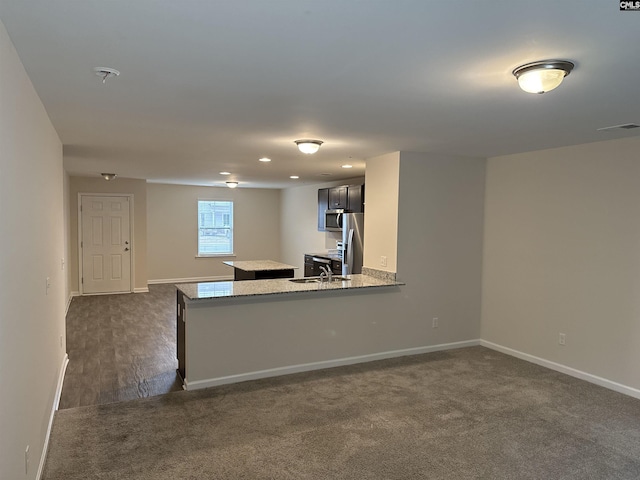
260	269
234	331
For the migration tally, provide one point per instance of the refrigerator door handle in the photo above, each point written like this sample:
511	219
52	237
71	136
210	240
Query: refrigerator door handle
350	252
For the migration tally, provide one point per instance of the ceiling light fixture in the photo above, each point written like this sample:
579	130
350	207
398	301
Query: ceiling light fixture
542	76
308	146
109	176
232	184
264	159
225	173
106	72
347	166
294	177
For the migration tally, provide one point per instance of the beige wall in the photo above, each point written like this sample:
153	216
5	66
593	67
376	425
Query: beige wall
32	325
562	243
299	223
172	227
119	185
440	231
381	226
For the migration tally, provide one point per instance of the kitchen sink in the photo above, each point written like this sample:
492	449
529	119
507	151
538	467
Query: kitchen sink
335	278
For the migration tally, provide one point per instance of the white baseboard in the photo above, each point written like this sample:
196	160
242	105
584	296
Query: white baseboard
141	290
71	295
157	281
56	402
603	382
306	367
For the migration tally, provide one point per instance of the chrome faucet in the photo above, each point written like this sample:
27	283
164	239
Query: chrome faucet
326	273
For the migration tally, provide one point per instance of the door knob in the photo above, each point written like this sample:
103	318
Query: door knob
126	249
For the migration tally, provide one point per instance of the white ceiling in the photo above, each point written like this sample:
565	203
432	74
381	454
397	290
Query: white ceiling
212	85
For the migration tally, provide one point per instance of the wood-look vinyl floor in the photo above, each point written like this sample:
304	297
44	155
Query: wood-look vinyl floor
121	347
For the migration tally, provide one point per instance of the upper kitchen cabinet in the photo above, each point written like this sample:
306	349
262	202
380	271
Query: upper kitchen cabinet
346	197
338	198
355	198
323	204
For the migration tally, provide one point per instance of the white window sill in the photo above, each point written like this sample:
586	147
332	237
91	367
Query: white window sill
216	255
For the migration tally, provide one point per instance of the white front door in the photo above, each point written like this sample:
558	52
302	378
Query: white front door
105	244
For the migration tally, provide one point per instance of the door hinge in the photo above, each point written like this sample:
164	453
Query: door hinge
82	280
81	244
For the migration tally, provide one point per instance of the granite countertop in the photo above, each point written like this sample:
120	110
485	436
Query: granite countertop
215	290
333	255
259	265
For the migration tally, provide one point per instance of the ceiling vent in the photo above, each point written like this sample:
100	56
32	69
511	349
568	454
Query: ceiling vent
626	126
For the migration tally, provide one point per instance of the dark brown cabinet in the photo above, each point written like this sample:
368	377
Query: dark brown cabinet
180	348
345	197
338	197
313	262
323	204
355	198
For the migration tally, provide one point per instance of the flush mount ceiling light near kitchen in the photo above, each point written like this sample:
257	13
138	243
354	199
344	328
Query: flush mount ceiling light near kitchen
264	160
225	173
232	184
294	177
109	176
347	166
308	146
106	72
542	76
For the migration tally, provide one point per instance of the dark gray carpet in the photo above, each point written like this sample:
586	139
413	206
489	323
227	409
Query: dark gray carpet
121	347
463	414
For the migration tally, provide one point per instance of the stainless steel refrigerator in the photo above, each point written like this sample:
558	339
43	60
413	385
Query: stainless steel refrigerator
352	242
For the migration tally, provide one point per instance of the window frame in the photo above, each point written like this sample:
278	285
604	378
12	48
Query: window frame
231	228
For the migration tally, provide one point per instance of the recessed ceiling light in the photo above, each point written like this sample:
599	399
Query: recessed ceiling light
347	166
294	177
232	184
264	159
225	173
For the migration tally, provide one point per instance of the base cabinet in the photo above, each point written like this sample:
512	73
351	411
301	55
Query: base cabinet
180	326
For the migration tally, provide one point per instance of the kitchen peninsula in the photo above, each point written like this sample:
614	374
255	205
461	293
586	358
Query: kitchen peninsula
235	331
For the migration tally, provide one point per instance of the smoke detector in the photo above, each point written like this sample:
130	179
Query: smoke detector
106	72
624	126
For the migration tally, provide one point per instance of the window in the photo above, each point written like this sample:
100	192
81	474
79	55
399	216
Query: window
215	227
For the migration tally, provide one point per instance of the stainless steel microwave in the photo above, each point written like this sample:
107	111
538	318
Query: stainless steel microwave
333	220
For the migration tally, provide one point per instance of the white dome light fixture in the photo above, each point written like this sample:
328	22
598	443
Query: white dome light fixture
542	76
109	176
308	146
232	184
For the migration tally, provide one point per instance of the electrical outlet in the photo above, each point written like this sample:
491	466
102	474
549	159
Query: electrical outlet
60	341
48	285
383	261
562	339
26	460
434	322
62	264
